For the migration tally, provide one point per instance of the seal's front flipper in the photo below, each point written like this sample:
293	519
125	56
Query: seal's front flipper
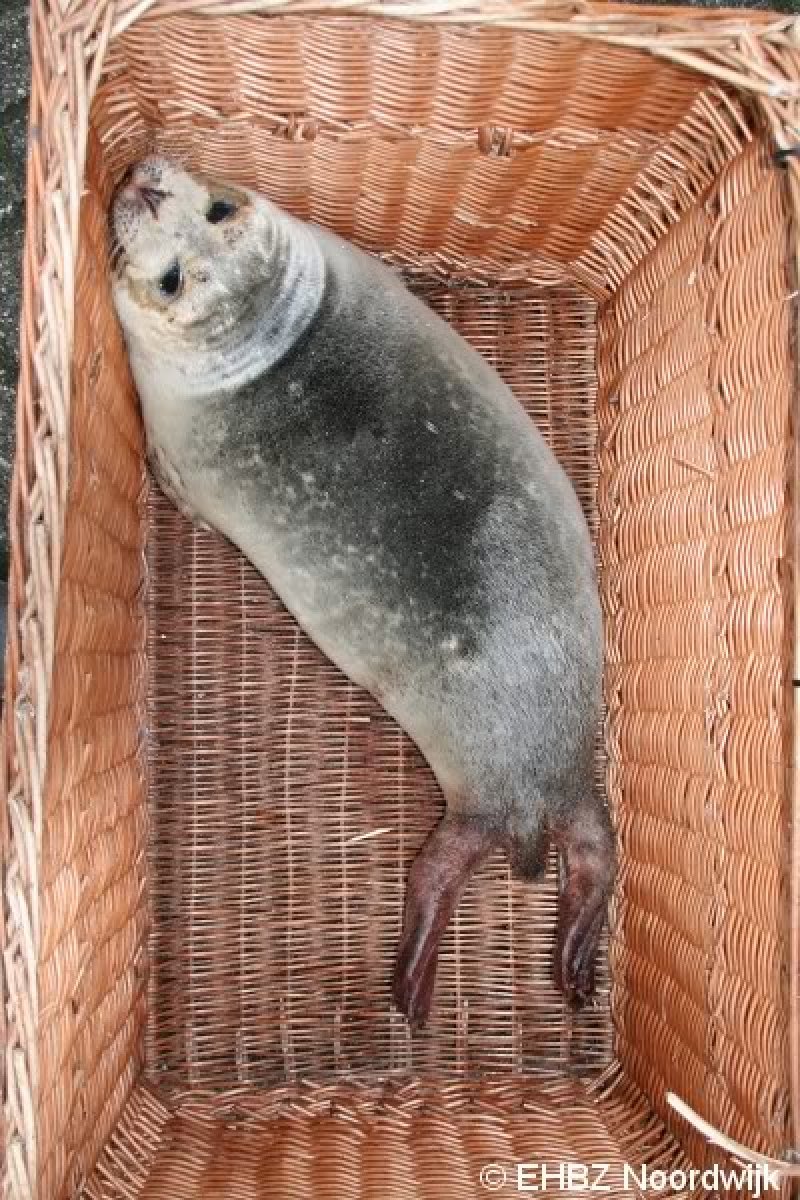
436	881
586	843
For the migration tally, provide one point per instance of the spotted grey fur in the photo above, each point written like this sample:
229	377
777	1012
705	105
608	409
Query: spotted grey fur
380	475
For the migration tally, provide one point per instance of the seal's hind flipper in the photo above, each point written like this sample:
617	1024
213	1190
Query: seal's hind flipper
586	844
436	881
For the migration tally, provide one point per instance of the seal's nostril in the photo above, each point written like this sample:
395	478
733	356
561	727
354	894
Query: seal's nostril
152	197
126	177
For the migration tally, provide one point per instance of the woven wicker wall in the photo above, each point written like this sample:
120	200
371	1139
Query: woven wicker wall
92	951
478	152
696	391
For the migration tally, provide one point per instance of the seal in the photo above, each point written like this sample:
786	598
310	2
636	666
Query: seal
391	489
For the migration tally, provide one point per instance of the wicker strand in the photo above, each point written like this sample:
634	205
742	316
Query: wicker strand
778	1168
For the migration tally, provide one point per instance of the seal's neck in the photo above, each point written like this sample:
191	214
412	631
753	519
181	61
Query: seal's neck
238	350
283	307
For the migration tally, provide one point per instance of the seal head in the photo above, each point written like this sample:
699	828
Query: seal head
197	269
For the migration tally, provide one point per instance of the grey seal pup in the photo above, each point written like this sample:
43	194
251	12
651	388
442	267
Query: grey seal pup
396	496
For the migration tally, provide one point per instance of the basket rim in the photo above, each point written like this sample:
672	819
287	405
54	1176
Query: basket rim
756	52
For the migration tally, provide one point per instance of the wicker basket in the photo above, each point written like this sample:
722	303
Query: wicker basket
207	828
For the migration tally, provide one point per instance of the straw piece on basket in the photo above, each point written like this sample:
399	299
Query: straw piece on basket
776	1165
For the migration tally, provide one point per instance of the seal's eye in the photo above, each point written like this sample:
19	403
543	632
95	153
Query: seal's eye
171	281
220	210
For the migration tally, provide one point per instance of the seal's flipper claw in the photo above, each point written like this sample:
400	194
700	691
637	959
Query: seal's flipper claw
415	975
436	881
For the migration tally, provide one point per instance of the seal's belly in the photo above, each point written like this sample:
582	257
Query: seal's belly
407	512
341	588
362	566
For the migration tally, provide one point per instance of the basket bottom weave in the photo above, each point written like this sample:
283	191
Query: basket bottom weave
405	1140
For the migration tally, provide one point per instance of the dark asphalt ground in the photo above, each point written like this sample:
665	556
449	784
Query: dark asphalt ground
13	114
